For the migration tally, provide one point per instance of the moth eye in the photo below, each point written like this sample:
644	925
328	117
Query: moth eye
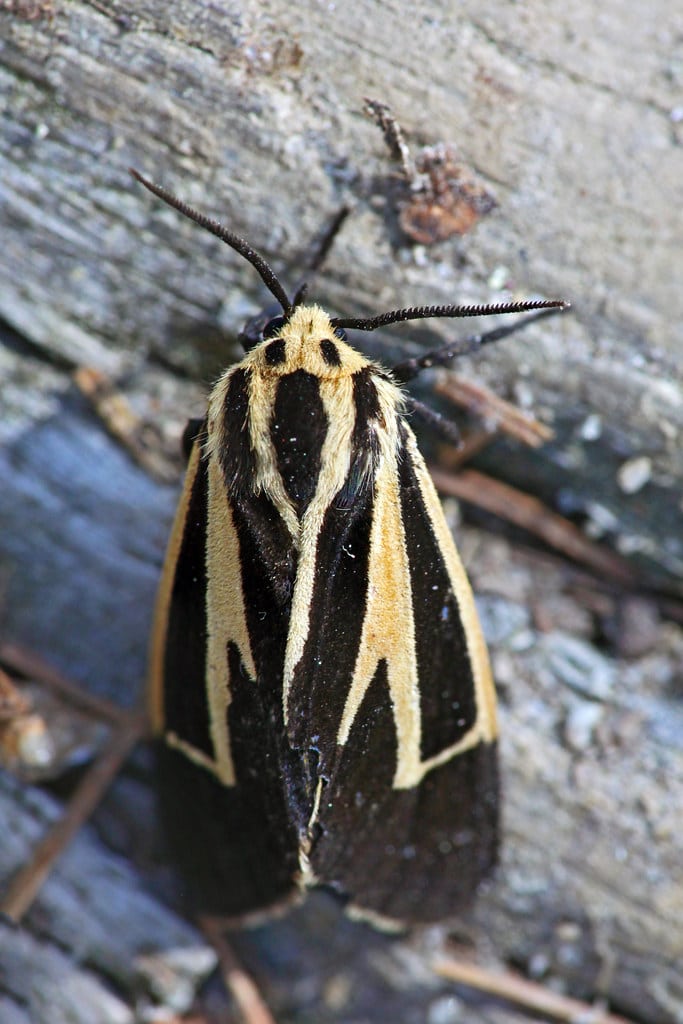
340	333
273	326
330	352
275	352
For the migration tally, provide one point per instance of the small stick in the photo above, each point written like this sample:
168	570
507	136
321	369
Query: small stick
31	666
532	515
27	882
528	994
395	140
240	985
504	416
470	446
120	420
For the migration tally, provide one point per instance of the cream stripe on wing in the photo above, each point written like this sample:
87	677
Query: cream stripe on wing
262	394
335	460
226	619
389	629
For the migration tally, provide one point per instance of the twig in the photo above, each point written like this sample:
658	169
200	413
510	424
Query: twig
470	446
442	196
31	666
27	882
121	421
395	140
240	985
532	515
516	989
502	415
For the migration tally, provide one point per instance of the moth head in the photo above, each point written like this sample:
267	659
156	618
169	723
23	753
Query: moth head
305	340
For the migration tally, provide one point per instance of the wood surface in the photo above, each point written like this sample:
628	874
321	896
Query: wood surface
571	115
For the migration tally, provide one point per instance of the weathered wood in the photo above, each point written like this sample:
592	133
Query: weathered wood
90	930
254	114
228	105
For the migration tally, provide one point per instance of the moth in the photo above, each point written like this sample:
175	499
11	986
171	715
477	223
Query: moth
319	679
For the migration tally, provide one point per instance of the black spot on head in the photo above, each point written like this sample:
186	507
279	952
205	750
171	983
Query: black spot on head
330	352
275	352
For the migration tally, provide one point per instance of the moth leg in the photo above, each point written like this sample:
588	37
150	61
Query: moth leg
436	421
411	368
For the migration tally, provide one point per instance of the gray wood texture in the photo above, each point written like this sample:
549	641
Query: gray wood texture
571	115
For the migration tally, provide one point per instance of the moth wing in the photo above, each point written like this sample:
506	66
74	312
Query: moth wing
396	699
221	794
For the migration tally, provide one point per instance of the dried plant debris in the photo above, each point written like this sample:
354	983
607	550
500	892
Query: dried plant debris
440	196
29	10
25	743
41	736
495	412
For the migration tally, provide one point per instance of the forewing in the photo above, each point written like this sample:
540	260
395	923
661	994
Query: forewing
221	621
406	822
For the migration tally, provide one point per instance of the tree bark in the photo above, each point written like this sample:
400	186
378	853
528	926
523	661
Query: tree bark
252	112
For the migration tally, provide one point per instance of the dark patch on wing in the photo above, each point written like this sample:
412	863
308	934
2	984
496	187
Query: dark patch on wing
365	447
322	678
268	559
238	846
415	855
235	455
185	706
195	430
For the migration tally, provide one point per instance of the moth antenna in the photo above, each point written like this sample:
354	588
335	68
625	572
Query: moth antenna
237	243
320	253
427	312
300	294
445	354
322	249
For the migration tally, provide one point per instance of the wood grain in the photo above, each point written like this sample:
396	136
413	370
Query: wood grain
253	112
